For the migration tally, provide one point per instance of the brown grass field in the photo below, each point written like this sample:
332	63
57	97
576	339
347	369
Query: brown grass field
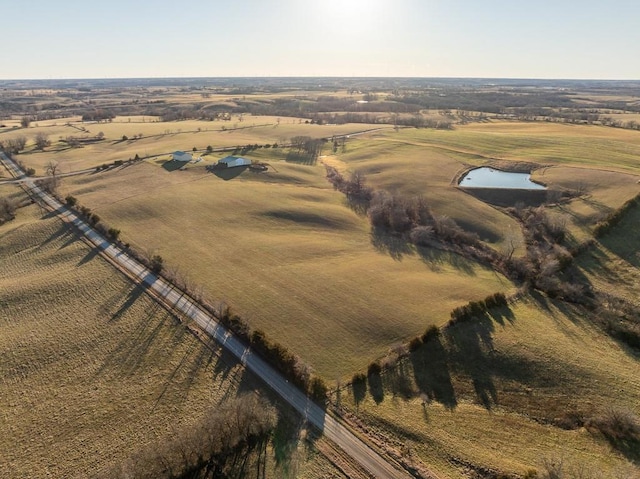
93	368
495	389
160	138
307	265
285	252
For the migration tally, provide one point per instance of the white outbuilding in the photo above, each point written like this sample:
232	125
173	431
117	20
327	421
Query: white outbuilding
233	161
181	156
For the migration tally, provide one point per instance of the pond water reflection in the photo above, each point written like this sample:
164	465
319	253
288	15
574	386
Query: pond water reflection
486	177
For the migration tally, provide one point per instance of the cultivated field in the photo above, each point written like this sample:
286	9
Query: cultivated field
93	369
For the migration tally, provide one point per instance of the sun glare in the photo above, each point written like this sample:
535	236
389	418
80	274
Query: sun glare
351	16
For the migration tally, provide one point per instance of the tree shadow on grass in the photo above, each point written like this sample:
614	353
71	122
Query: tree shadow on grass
359	390
130	353
285	440
629	448
398	381
376	388
63	231
502	315
301	158
92	253
131	299
395	246
431	372
178	384
436	259
470	344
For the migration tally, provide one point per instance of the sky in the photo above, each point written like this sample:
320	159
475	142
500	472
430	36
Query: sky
582	39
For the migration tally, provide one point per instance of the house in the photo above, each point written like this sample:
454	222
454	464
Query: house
181	156
233	161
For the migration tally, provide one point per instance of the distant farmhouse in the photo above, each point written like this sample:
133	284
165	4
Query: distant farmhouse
181	156
233	161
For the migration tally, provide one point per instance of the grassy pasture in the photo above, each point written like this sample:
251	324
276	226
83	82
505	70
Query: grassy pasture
405	163
91	366
545	143
426	161
94	369
285	252
305	260
160	138
496	385
602	192
614	266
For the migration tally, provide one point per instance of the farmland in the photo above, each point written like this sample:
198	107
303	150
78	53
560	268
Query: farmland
93	368
279	255
504	390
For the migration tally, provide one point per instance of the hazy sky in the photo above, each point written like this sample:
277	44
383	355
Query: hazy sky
428	38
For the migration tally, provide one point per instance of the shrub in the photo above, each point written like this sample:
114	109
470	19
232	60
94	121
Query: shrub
421	235
71	201
618	425
156	264
432	332
113	233
318	390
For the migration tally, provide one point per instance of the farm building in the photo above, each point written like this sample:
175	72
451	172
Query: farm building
233	161
181	156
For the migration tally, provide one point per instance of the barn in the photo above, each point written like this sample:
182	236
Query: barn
181	156
233	161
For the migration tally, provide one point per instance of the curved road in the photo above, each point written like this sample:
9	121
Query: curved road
177	299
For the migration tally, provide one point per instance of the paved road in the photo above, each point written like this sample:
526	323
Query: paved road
330	427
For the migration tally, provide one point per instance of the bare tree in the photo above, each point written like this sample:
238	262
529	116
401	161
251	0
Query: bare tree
16	145
52	168
42	140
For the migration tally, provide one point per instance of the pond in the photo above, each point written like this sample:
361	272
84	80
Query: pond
486	177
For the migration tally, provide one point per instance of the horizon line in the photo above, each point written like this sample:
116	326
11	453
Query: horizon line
363	77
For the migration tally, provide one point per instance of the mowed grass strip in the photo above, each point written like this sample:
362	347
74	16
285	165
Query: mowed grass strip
91	367
289	256
503	386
